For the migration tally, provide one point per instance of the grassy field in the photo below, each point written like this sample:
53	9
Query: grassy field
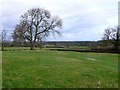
59	69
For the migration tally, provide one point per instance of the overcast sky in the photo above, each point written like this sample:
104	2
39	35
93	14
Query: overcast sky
83	20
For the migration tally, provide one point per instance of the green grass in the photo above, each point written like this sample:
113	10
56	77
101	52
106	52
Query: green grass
56	69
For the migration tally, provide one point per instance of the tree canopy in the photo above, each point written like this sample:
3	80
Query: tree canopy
113	35
36	23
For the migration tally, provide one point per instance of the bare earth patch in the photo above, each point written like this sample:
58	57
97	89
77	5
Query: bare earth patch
91	58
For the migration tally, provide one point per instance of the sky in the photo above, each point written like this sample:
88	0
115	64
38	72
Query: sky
83	20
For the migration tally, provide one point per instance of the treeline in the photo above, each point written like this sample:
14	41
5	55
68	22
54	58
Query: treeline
53	43
95	46
64	44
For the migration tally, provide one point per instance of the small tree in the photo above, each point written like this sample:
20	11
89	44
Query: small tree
17	35
4	33
112	35
37	22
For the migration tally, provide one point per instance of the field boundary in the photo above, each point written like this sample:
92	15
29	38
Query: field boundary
78	50
65	49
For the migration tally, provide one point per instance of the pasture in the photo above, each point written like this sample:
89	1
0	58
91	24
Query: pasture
59	69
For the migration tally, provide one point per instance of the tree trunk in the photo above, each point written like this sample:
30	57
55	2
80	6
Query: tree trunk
2	47
116	46
32	46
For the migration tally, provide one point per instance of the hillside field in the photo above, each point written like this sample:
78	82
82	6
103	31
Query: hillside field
59	69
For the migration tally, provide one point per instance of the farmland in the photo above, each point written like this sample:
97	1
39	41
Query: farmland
59	69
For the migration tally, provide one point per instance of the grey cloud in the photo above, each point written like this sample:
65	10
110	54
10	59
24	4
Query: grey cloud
82	20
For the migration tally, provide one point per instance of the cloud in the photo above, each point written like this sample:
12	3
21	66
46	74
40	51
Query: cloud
82	19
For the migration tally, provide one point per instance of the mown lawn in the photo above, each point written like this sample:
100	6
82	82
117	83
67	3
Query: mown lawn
59	69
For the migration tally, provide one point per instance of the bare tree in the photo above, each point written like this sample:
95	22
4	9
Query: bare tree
4	33
113	36
17	36
36	23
